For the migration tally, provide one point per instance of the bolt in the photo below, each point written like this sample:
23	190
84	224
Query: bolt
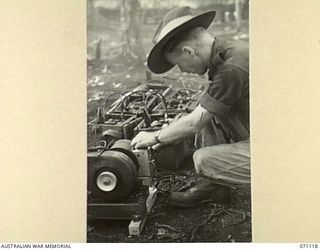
136	217
107	182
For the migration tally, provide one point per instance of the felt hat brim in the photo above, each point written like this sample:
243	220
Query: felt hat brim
157	62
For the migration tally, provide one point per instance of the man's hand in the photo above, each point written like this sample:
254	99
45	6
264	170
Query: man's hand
144	139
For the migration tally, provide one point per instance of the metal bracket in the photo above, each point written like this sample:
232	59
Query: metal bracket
136	225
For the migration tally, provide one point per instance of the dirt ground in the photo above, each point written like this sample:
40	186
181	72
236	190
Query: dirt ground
182	223
114	73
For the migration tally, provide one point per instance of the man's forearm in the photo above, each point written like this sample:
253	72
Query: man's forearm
185	126
179	129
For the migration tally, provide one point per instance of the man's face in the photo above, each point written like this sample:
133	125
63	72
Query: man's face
188	61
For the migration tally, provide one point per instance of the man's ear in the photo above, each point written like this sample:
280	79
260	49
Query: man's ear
189	50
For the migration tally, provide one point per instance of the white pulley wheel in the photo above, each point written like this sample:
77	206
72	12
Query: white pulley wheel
106	181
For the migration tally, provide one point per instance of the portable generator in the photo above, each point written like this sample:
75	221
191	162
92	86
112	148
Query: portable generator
120	179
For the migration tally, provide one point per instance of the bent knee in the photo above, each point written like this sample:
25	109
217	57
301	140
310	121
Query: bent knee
205	158
199	159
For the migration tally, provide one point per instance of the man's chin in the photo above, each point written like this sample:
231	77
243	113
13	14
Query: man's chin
201	73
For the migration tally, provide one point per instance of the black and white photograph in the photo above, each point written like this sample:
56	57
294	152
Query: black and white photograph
168	128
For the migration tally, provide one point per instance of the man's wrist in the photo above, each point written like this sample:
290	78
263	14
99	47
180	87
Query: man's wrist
156	137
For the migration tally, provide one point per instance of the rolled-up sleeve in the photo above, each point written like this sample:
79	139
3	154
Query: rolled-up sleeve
224	90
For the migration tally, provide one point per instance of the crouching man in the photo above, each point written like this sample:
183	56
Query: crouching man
221	120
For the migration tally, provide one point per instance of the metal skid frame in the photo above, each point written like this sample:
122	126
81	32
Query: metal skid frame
136	210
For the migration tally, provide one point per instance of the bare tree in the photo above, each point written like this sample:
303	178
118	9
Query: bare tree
124	27
130	25
238	13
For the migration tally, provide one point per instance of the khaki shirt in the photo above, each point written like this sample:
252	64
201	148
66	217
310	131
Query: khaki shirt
227	95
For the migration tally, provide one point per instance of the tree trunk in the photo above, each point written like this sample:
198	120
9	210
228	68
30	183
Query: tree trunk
124	28
130	25
135	29
238	13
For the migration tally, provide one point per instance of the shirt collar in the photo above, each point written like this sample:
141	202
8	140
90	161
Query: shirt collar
218	46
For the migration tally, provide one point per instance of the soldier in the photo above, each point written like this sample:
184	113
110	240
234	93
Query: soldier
221	119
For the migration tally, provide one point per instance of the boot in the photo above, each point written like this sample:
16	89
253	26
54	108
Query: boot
194	196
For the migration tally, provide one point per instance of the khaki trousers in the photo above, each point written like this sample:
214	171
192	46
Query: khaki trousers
224	163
